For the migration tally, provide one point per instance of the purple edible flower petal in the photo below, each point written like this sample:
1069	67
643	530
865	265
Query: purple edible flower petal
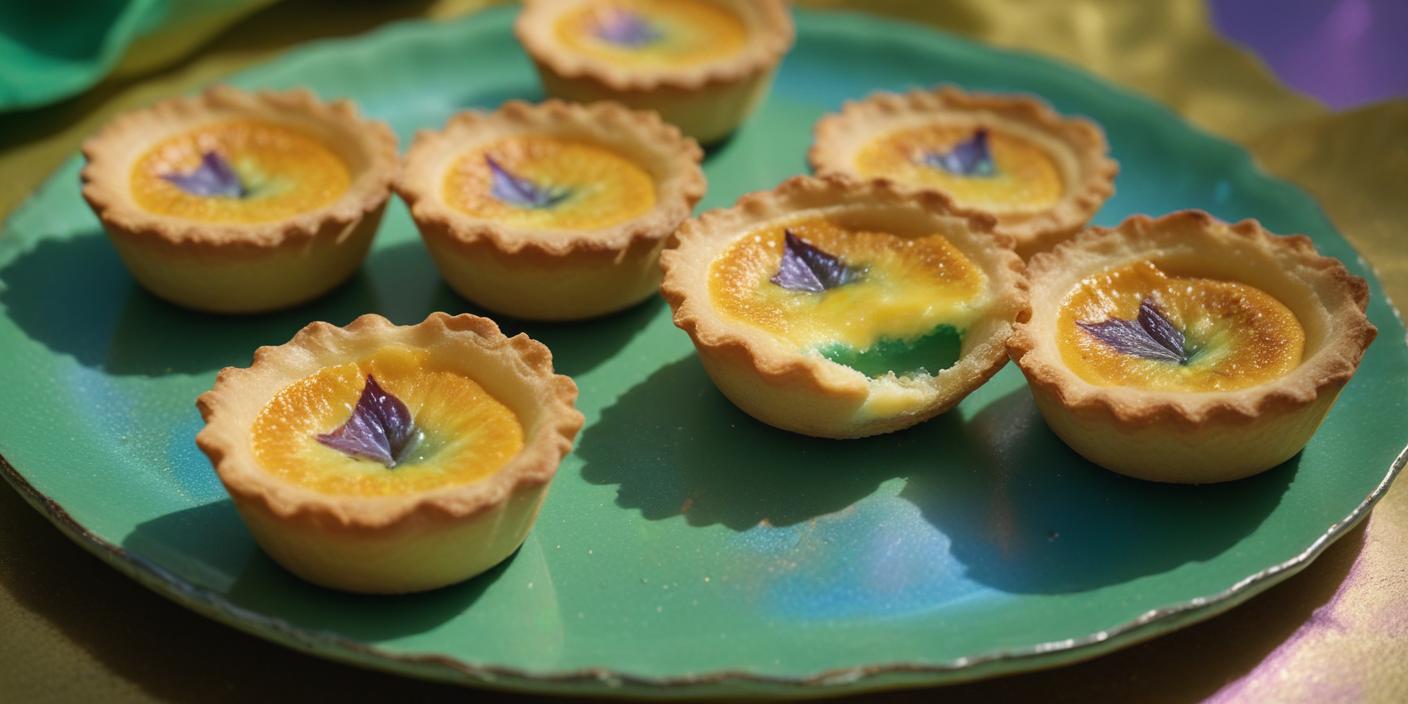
516	190
380	427
971	157
214	177
804	267
623	27
1149	336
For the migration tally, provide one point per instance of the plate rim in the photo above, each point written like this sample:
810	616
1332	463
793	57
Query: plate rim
330	645
835	681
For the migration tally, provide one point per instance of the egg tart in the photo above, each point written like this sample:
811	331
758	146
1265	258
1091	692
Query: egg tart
236	202
384	459
842	309
704	65
1184	349
554	211
1040	174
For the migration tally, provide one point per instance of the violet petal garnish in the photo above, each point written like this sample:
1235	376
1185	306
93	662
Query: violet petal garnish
380	428
516	190
214	177
971	157
804	267
623	27
1150	335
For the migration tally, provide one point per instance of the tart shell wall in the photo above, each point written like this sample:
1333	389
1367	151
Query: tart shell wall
539	286
207	277
707	114
405	543
1205	437
234	268
805	393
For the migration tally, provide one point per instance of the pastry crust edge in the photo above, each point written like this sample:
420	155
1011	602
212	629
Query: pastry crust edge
770	36
835	136
1325	372
421	181
107	173
716	337
224	439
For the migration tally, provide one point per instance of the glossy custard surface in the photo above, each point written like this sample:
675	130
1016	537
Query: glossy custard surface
667	33
913	297
600	186
285	172
1236	336
1025	177
466	434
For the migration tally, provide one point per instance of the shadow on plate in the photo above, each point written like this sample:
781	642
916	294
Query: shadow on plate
1025	514
410	288
209	546
75	297
674	445
1021	512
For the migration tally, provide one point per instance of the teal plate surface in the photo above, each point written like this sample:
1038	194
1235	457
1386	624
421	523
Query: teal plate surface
685	549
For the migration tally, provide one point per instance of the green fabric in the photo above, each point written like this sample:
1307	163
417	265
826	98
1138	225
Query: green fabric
53	49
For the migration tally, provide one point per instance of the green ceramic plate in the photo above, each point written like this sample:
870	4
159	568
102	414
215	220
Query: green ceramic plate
686	549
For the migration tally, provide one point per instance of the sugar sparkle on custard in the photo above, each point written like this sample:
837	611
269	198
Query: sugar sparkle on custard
1024	178
284	171
908	286
676	33
601	186
1236	335
467	433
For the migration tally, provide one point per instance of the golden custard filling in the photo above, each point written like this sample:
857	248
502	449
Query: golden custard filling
997	171
549	182
902	309
1142	327
652	33
459	433
241	171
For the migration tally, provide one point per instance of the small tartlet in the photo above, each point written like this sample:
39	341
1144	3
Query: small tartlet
242	267
806	393
394	543
1191	436
547	272
1075	146
707	100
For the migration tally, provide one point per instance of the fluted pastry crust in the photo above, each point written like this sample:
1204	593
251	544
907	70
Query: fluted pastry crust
552	274
1076	144
1222	434
242	267
517	371
806	393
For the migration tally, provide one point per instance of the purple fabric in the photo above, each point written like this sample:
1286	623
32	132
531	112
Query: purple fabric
1343	52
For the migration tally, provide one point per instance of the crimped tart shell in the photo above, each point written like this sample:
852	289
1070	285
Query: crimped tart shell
1189	437
234	267
545	274
1077	145
806	393
393	544
707	101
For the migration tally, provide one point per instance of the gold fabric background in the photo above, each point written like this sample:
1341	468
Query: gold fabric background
73	629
